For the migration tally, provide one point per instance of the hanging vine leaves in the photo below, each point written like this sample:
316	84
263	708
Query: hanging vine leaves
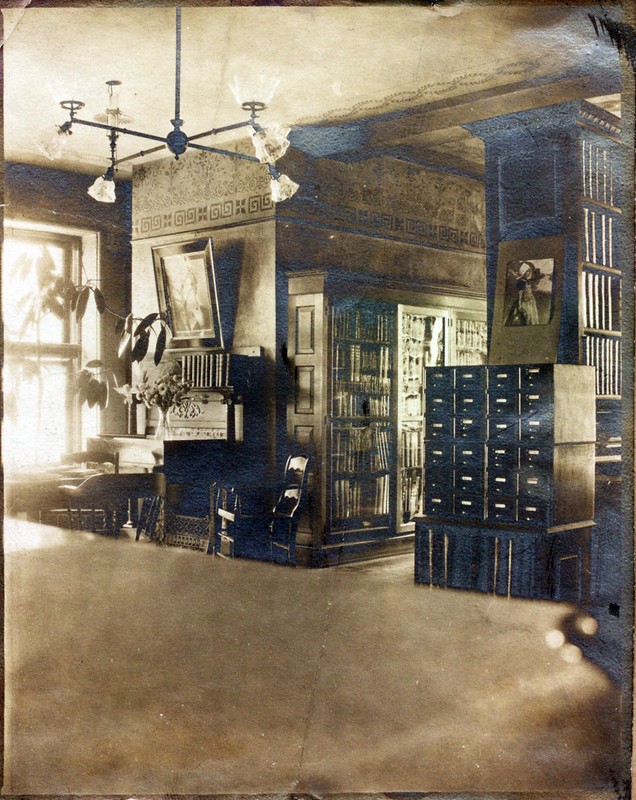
145	323
141	347
160	346
94	363
120	325
82	302
100	302
124	344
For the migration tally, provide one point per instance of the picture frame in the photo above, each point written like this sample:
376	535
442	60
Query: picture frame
528	301
187	293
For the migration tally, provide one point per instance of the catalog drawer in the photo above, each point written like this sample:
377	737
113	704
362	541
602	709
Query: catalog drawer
503	379
501	403
469	480
439	454
535	512
470	455
502	481
503	455
502	509
535	484
503	428
440	379
536	428
470	378
438	503
438	479
471	426
535	458
469	506
536	378
439	427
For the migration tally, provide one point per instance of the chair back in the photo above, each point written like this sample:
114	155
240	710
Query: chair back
295	471
93	457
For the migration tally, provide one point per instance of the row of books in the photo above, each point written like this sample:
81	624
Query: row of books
597	173
422	328
370	326
604	353
469	358
601	301
360	404
352	362
358	449
412	365
206	370
471	335
411	447
360	498
411	494
599	238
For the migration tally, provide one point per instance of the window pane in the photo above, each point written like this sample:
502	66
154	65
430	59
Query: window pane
35	418
27	268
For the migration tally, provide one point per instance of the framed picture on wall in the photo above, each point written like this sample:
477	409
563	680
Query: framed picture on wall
528	301
187	292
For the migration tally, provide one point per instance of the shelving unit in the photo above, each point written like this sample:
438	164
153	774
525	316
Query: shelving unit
600	262
356	407
361	431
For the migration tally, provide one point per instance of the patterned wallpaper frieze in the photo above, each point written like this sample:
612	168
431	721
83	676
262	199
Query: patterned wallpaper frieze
201	189
403	201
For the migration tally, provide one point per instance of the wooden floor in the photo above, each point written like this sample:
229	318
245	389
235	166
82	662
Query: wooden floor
136	669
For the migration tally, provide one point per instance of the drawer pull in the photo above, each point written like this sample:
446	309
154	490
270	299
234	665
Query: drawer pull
532	481
500	505
501	480
534	396
530	508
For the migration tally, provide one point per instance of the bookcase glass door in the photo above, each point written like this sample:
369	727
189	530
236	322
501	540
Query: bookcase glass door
361	436
422	342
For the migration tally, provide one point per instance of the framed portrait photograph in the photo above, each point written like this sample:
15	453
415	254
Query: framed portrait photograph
187	293
528	302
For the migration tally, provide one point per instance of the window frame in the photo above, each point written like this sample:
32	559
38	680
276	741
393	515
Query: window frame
69	352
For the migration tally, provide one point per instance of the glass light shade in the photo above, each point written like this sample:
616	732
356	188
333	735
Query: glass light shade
260	88
282	188
103	190
271	143
51	142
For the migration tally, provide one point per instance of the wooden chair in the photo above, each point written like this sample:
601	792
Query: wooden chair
287	511
86	461
110	493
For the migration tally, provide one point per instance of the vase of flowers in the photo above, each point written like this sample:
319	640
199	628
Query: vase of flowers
168	392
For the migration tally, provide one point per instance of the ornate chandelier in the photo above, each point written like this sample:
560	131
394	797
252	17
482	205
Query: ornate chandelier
269	143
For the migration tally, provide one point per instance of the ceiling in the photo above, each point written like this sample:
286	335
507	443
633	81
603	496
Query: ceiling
354	80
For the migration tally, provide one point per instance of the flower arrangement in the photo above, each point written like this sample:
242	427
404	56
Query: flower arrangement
168	391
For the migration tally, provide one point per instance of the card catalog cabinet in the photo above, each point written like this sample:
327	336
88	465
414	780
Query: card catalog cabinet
509	454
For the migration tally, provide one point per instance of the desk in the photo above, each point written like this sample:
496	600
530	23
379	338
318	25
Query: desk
37	489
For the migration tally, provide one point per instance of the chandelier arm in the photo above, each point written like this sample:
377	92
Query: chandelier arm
141	154
127	131
224	152
214	131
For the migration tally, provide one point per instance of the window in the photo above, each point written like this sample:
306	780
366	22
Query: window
42	347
